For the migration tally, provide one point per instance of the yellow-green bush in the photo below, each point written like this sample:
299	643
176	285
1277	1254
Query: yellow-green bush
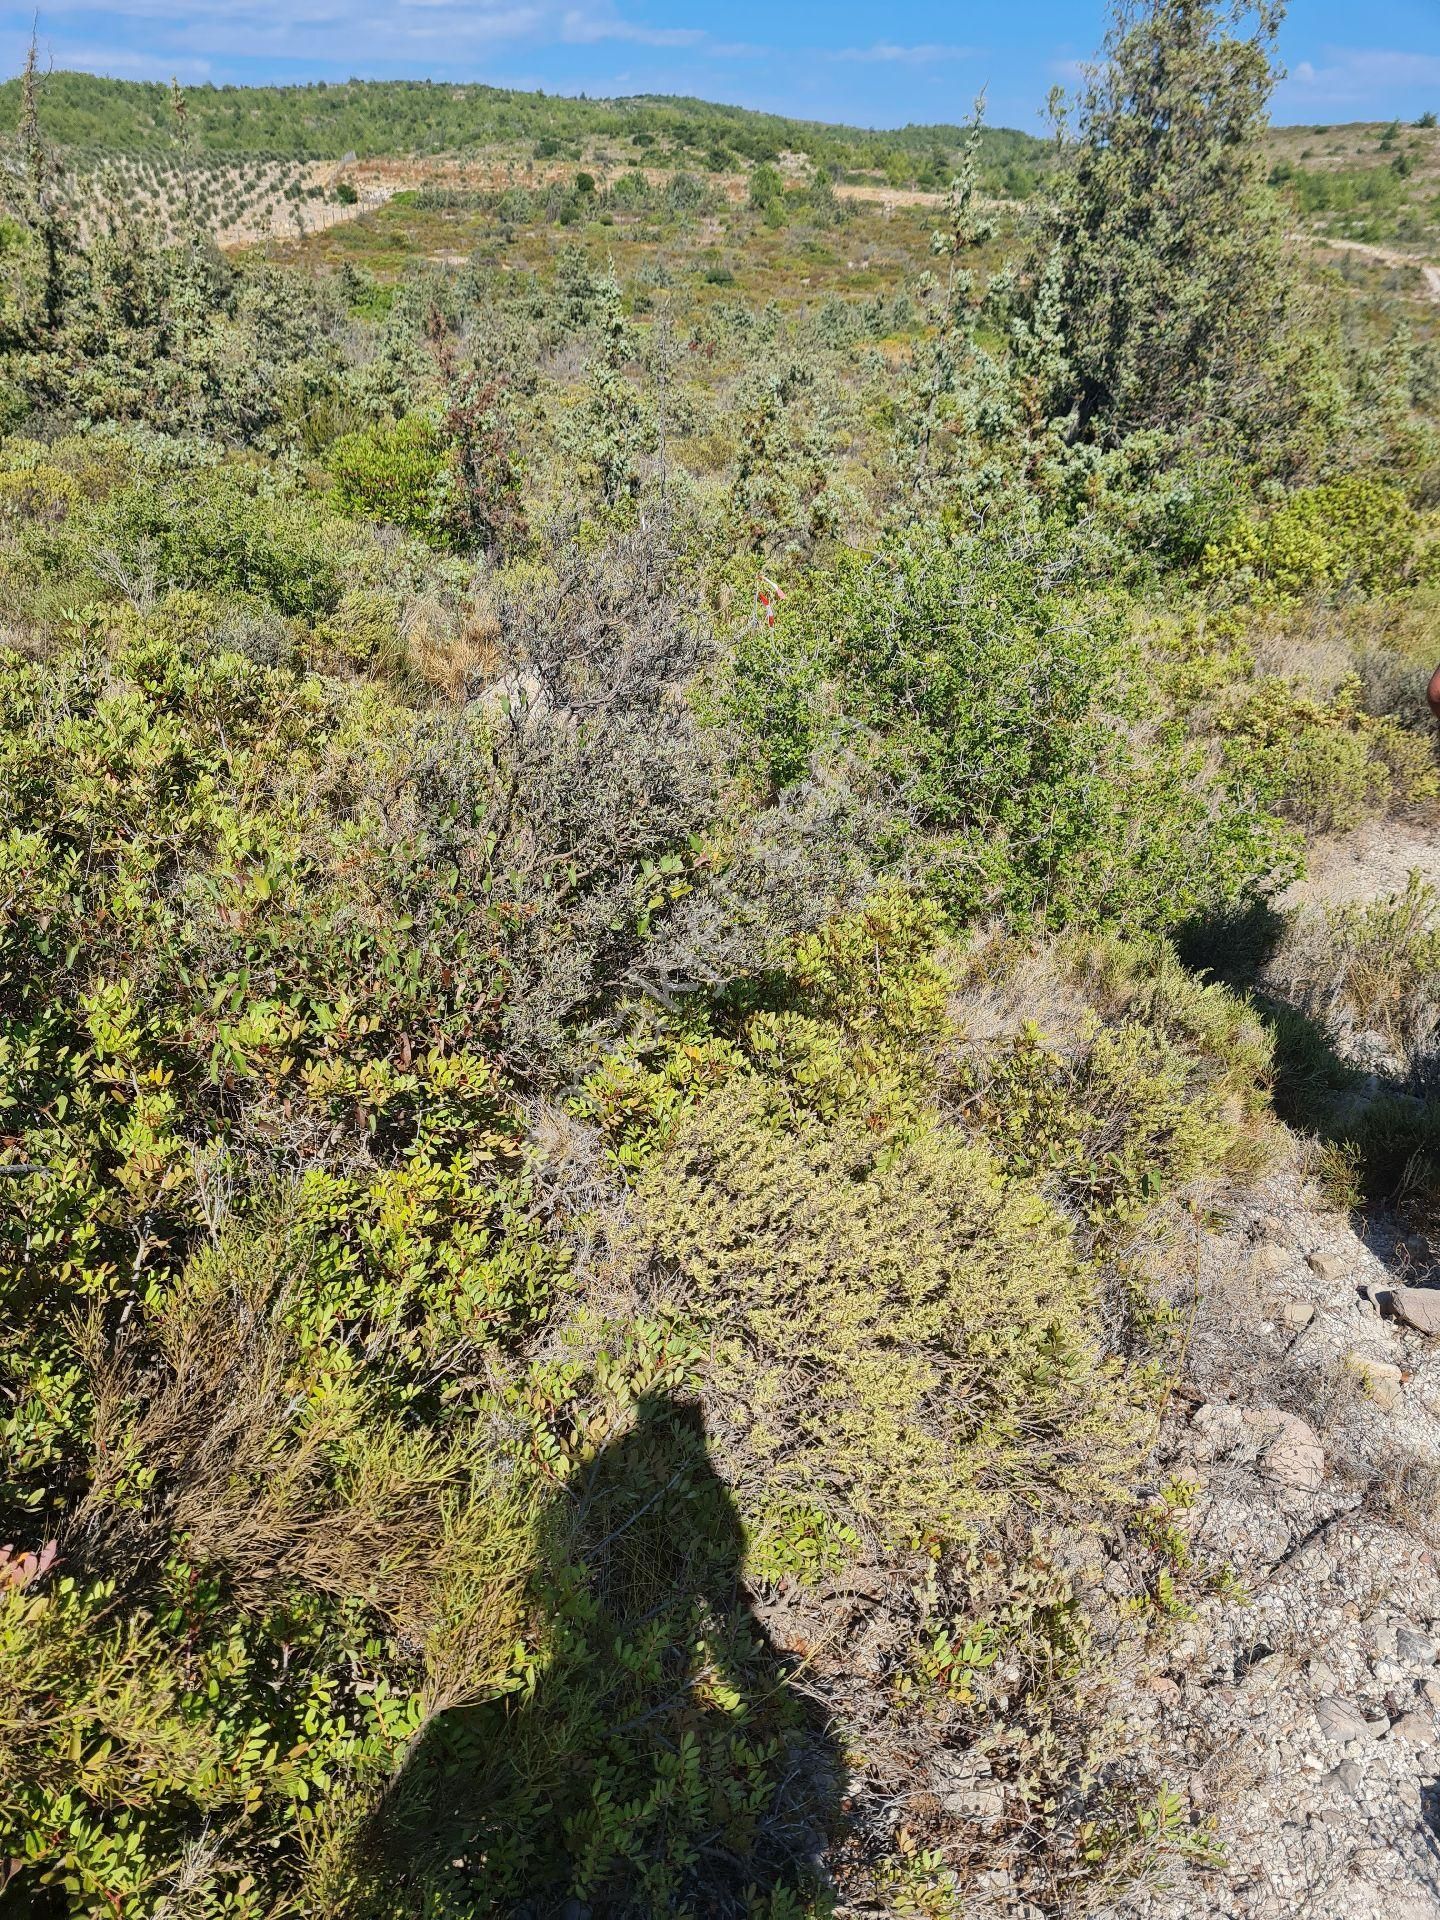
1359	532
903	1337
1148	1081
853	1205
1327	765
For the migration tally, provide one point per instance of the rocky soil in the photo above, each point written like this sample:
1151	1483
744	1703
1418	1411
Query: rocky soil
1366	865
1301	1716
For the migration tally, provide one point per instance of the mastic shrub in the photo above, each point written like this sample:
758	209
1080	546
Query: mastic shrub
394	473
1016	731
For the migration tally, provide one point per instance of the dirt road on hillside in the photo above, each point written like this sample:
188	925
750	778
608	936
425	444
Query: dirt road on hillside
1382	256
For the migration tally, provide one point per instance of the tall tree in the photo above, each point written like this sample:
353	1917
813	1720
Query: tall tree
31	191
1163	246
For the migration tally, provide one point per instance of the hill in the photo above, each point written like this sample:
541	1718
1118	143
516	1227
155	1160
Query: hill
374	117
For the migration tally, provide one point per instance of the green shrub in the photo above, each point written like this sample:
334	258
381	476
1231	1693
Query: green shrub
1009	727
1359	533
393	473
1327	765
452	482
205	528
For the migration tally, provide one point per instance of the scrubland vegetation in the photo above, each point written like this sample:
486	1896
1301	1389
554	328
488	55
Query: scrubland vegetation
634	861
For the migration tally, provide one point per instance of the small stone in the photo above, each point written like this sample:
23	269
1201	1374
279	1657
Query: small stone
1343	1779
964	1786
1380	1381
982	1800
1330	1267
1415	1649
1322	1677
1418	1307
1416	1728
1340	1721
1296	1314
1263	1675
1267	1259
1295	1457
1387	1637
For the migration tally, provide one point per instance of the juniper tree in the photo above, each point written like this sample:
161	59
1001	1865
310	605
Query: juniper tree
30	189
1163	246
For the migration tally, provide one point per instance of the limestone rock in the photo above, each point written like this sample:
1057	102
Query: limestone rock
1329	1267
1340	1721
1294	1457
1296	1314
1418	1307
1380	1380
1268	1258
1416	1728
1415	1649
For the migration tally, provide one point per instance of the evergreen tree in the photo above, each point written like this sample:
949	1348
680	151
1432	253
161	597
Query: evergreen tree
1163	246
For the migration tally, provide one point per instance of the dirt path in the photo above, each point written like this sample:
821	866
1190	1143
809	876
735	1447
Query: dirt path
1382	256
1369	864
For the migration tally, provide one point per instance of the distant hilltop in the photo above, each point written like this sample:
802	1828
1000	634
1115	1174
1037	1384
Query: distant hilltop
372	117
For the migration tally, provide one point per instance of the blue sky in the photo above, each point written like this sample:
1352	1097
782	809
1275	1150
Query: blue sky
911	60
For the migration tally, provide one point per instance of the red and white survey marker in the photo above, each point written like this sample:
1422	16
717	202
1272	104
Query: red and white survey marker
768	597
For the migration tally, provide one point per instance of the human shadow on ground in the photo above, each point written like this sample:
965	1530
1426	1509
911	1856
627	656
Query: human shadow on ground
665	1760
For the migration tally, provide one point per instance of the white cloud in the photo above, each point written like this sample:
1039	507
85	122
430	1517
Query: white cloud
121	63
1358	77
886	51
582	29
142	36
